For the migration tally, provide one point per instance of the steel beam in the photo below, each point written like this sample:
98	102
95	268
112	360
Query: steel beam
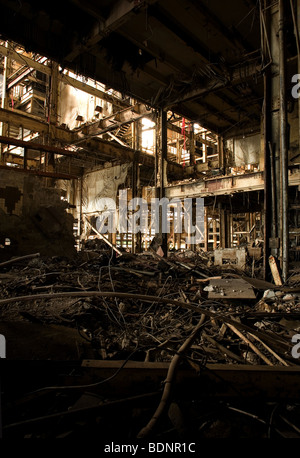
35	124
237	76
267	160
283	142
36	146
120	13
57	175
45	69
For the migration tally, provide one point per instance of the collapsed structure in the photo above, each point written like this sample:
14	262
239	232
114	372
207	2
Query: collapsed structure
107	112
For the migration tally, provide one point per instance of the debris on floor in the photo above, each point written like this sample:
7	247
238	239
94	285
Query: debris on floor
102	306
162	301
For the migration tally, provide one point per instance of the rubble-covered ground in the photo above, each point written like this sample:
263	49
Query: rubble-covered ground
163	303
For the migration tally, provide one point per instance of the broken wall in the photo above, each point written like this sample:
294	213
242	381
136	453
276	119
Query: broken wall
33	217
100	185
73	102
246	151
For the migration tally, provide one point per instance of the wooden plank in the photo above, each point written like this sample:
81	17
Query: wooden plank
102	237
217	380
258	284
269	382
275	271
231	288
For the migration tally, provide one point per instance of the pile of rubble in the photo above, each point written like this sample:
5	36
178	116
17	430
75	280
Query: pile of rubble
151	305
110	316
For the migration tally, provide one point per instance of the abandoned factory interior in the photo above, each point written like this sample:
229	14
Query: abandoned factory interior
150	221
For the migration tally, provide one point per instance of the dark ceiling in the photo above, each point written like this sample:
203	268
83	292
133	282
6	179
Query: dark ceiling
198	58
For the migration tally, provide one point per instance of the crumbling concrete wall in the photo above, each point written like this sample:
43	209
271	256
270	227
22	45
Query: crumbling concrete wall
33	217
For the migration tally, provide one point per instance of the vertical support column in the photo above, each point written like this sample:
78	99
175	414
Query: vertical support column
53	94
273	193
192	145
222	227
136	237
172	231
163	164
283	143
138	135
157	154
221	152
298	49
267	161
215	237
3	100
52	113
193	246
25	158
80	219
192	223
247	226
134	179
178	148
272	14
253	225
204	149
230	225
205	229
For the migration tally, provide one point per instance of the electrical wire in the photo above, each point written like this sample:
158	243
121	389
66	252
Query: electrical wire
112	285
159	295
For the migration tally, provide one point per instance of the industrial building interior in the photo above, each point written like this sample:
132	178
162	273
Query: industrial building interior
143	334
